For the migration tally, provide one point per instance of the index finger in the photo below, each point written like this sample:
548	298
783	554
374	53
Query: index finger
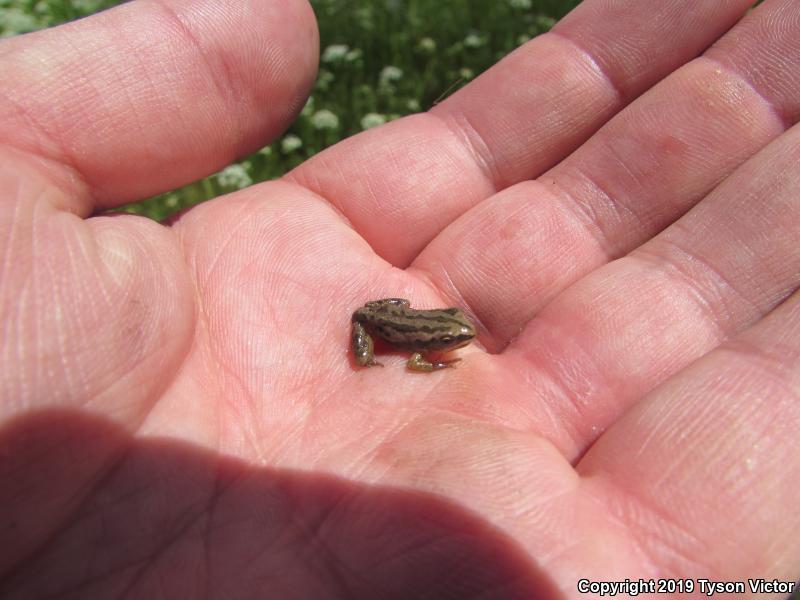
401	184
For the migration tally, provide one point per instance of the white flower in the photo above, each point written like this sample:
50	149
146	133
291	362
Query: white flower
466	73
473	40
234	176
427	45
335	53
370	120
353	55
390	73
325	119
290	143
266	151
413	105
544	22
521	4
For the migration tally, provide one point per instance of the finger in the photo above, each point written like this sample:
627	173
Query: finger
401	184
617	333
649	165
713	455
151	95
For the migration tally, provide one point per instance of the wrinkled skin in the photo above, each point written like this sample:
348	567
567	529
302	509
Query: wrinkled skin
615	204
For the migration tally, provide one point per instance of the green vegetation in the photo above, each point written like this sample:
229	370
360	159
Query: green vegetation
23	16
380	59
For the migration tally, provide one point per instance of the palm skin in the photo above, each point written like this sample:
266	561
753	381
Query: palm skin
180	414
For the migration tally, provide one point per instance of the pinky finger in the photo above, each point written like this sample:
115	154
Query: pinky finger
706	471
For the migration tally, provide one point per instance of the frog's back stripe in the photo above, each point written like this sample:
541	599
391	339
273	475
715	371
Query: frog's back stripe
443	315
417	333
416	338
408	323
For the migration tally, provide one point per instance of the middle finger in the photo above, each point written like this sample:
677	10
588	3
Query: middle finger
639	173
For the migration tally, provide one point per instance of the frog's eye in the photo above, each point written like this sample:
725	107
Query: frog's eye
447	339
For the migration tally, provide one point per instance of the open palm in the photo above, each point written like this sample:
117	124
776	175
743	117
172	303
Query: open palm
617	210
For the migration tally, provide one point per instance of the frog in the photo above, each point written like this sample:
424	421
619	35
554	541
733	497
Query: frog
420	331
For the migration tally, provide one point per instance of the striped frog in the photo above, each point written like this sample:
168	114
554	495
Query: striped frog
420	331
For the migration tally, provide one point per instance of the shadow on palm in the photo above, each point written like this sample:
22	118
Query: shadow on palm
175	519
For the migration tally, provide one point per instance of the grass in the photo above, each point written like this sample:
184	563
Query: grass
380	60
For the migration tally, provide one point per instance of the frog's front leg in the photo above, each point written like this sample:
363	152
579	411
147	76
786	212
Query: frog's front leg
418	363
363	346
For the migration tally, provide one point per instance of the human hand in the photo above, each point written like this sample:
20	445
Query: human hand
179	412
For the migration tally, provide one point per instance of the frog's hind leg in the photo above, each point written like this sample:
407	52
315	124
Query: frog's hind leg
418	363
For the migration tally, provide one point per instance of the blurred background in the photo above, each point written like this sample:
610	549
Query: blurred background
379	60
